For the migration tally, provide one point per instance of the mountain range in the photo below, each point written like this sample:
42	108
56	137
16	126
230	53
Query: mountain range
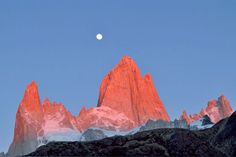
217	141
127	101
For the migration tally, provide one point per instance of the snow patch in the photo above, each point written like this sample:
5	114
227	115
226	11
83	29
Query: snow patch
63	134
197	125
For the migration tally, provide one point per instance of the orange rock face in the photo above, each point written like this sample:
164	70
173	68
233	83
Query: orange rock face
29	118
126	100
126	91
30	106
56	117
34	119
82	111
185	117
105	118
216	110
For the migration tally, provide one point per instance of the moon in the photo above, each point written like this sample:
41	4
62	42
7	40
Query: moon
99	36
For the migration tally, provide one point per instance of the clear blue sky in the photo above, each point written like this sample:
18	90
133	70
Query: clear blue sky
188	46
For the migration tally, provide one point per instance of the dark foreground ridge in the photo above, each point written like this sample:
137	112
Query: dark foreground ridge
220	140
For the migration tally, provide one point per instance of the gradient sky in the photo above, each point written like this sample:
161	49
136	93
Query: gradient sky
189	47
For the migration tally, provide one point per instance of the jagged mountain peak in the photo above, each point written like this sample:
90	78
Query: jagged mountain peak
148	77
216	109
125	66
222	97
126	60
46	102
32	86
82	111
126	100
31	99
125	90
184	116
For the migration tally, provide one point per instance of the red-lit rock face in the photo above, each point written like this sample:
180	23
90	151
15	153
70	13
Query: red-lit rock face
216	110
34	120
105	118
126	91
126	100
185	117
29	111
57	118
82	111
29	119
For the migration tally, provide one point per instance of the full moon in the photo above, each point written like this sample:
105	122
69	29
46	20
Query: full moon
99	36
